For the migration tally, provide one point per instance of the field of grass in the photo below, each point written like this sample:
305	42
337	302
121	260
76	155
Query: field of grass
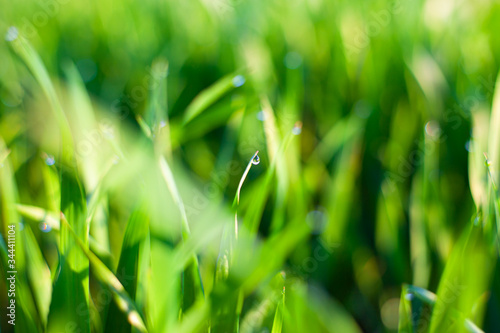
249	166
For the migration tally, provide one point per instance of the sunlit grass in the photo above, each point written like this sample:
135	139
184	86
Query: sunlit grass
250	166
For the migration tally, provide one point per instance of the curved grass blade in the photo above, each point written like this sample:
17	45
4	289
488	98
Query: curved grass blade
39	214
27	317
496	200
122	298
211	94
256	207
416	307
494	134
39	275
127	271
273	141
460	288
72	286
278	317
192	285
227	317
405	316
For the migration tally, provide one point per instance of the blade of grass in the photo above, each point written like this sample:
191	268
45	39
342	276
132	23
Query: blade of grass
255	210
128	266
27	317
228	317
278	317
210	95
39	275
459	281
405	315
494	134
122	298
157	114
71	287
416	320
192	283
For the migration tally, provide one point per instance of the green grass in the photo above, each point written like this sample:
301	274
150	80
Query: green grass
250	166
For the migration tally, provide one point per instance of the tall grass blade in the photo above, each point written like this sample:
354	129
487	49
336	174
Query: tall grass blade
71	287
210	95
27	318
278	317
121	297
127	271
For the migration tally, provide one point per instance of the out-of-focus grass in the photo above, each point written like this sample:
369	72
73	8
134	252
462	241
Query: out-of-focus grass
374	205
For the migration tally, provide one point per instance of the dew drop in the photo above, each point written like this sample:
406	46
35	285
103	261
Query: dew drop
469	146
256	160
49	160
432	129
487	162
297	129
11	34
163	123
261	115
44	227
317	220
238	80
476	221
409	296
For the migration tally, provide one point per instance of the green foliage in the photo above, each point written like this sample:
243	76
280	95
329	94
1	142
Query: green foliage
250	166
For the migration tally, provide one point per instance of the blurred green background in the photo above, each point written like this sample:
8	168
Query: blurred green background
370	118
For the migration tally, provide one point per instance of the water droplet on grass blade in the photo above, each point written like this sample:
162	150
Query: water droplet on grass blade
49	160
44	227
256	160
476	221
261	115
317	220
487	161
238	80
433	129
297	129
11	34
409	296
469	146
